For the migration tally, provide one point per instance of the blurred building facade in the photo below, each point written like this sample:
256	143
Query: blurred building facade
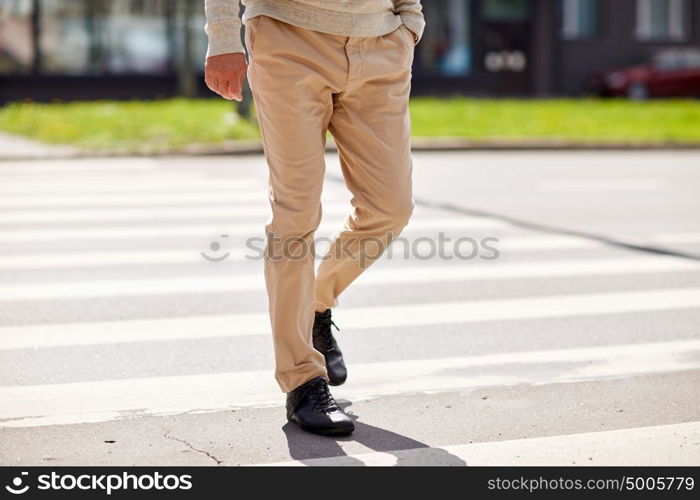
147	48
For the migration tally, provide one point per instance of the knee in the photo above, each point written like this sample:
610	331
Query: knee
290	239
300	222
407	211
399	213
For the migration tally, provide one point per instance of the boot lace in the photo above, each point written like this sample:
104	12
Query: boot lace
322	331
322	397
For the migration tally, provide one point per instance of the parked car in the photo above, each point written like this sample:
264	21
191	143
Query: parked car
669	73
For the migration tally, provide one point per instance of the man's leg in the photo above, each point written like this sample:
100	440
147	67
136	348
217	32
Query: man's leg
371	126
291	74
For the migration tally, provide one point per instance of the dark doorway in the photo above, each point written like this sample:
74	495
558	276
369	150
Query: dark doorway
503	51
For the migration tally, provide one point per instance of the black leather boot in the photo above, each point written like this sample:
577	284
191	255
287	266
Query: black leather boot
325	343
312	407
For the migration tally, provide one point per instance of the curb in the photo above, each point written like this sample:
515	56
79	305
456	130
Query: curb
254	147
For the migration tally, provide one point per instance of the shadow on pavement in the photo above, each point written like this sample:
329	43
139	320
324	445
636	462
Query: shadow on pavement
306	447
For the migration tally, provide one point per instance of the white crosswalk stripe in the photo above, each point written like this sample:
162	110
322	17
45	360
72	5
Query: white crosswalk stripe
259	210
148	213
151	184
127	231
106	400
671	445
382	276
573	185
167	255
89	209
60	169
56	201
438	314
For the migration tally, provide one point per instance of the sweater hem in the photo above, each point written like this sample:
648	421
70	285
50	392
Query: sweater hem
332	22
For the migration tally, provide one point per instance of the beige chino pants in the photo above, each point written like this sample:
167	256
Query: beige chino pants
305	83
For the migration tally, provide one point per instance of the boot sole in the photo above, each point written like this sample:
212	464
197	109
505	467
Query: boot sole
324	432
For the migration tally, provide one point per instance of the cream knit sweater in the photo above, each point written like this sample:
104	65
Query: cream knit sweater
338	17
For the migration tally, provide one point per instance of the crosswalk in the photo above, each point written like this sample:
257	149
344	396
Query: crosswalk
554	313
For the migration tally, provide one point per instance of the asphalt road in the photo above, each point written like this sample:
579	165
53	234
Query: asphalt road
543	308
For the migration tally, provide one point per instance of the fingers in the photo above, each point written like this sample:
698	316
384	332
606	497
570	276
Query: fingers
224	89
211	84
235	87
224	75
220	86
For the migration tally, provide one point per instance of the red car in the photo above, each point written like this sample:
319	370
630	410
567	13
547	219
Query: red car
670	73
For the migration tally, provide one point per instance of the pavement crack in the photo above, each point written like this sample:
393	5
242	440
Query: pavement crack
191	447
517	222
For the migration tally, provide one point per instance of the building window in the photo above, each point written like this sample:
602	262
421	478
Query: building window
579	19
16	49
101	37
446	46
506	10
662	20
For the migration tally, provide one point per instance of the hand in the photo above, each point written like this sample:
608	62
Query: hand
224	74
410	32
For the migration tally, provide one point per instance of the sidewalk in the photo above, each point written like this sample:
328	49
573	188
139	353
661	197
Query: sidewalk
17	148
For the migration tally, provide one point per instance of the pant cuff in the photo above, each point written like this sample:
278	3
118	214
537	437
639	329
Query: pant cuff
320	306
290	380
